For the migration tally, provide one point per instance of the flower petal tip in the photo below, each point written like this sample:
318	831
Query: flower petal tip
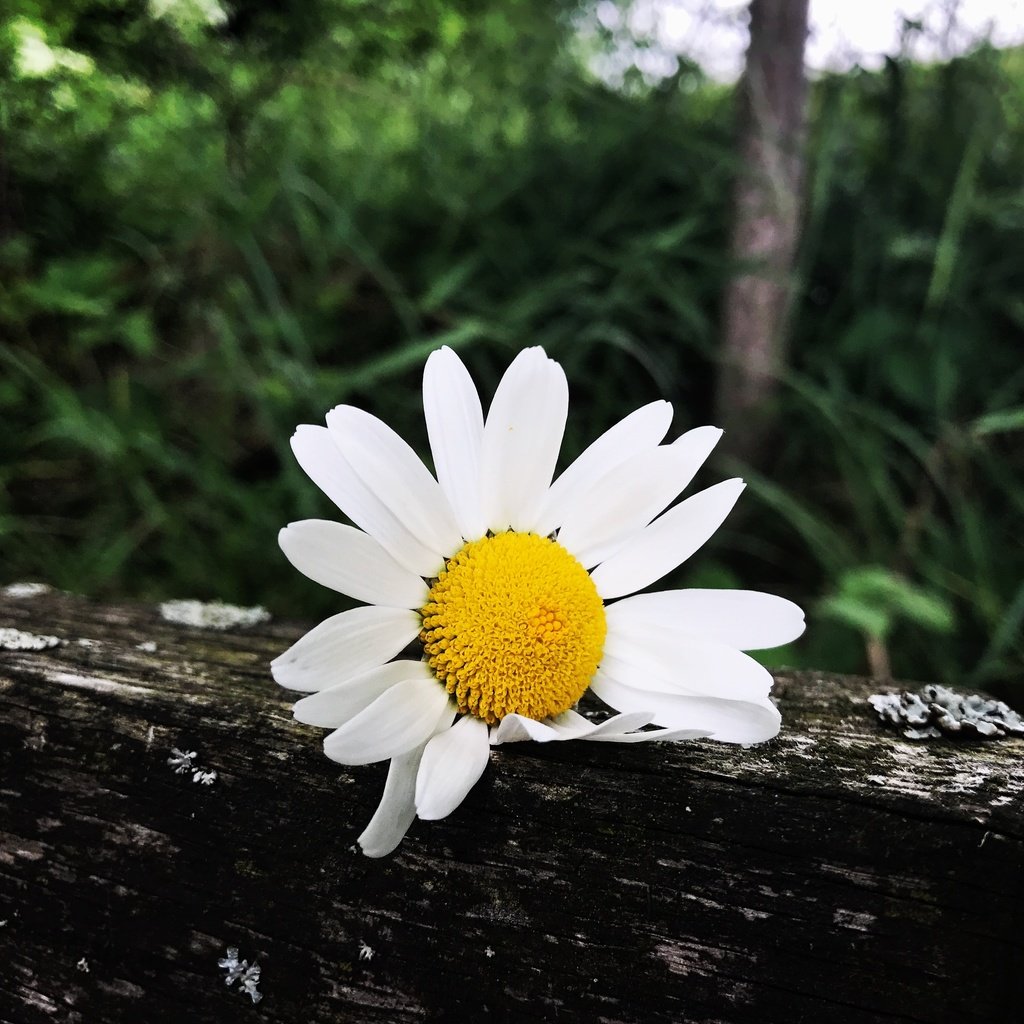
376	851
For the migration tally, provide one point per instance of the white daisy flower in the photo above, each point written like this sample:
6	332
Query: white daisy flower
516	590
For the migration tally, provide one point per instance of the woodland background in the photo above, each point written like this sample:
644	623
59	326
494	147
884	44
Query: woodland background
219	220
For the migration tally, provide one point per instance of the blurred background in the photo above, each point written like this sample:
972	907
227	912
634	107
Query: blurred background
219	219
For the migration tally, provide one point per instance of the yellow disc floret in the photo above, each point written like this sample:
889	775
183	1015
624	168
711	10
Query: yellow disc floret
514	624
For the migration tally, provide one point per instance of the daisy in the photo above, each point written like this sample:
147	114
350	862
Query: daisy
515	590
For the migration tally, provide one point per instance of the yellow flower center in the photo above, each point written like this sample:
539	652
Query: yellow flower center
514	624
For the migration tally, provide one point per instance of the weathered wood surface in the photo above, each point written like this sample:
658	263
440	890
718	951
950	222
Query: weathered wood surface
838	873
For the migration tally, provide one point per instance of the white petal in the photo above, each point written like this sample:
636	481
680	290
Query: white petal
745	619
397	807
345	645
396	810
401	718
323	462
649	736
455	426
351	562
452	763
395	475
567	726
623	728
617	507
661	660
522	436
604	516
730	721
637	432
667	542
572	726
333	707
518	728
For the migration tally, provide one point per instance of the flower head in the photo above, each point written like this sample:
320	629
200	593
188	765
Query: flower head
515	589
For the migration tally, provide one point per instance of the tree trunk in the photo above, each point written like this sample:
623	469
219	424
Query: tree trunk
839	873
767	202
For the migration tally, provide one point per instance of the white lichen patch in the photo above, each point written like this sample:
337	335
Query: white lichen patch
183	763
247	975
148	647
366	952
18	640
20	590
212	614
181	760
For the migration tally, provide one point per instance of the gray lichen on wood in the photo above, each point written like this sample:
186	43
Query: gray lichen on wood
837	873
937	709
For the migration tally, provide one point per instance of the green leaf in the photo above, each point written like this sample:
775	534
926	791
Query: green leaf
1002	421
861	615
872	598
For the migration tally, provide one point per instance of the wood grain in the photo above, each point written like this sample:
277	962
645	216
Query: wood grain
838	873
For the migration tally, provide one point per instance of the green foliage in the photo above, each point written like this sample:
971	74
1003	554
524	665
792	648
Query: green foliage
220	221
871	599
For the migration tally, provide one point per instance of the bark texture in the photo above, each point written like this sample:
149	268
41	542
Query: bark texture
767	203
838	873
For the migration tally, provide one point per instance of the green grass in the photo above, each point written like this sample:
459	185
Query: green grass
204	246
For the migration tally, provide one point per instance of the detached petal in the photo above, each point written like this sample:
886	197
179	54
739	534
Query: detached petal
636	433
522	436
323	462
351	562
393	472
455	426
401	718
667	542
623	502
730	721
745	619
452	763
344	646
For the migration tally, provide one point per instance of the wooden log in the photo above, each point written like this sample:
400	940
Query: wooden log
838	873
